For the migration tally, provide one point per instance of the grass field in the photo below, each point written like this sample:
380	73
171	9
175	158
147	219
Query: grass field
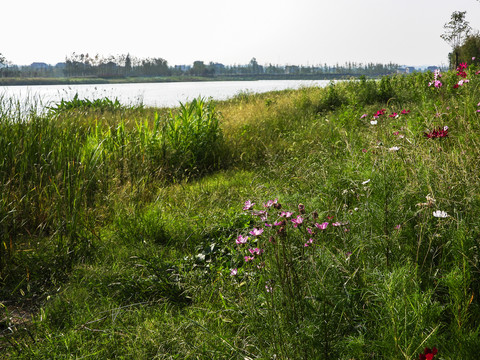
321	223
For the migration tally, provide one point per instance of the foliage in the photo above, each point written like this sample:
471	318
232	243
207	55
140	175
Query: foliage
456	30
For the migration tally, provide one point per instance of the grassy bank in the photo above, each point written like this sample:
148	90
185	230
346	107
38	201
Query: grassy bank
322	223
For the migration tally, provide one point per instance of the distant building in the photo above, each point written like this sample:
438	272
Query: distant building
183	67
217	67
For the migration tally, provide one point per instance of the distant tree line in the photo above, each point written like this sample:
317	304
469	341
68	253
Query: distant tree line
125	65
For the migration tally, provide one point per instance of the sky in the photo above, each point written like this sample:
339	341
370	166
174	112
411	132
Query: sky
279	32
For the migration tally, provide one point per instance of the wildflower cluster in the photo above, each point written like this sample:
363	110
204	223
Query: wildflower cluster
463	74
273	224
382	112
436	76
428	354
461	70
437	133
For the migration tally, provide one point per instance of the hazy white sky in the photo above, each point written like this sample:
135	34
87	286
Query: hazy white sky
306	32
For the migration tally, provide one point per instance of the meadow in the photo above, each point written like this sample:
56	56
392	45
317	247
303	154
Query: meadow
320	223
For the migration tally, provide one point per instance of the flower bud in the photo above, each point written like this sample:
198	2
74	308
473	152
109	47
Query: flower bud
301	208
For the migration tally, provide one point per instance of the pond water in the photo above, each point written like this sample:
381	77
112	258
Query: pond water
149	94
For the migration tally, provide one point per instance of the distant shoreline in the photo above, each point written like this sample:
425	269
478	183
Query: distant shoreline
14	81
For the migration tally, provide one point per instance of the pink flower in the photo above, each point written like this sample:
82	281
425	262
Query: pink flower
256	251
364	150
298	221
336	224
398	227
307	244
363	116
248	258
322	226
286	214
256	232
241	239
233	272
394	115
270	203
248	205
404	112
268	288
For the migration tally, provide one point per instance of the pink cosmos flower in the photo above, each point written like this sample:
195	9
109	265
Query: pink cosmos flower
256	251
404	112
278	223
248	258
241	239
298	221
233	272
256	232
270	203
309	231
286	214
394	115
308	243
248	205
322	226
363	116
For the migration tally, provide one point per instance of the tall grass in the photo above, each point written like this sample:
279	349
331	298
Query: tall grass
58	170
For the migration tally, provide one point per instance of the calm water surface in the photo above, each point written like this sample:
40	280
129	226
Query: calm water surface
150	94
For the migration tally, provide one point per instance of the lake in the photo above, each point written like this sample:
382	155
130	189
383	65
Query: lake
150	94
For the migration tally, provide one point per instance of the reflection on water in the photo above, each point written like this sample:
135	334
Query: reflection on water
149	94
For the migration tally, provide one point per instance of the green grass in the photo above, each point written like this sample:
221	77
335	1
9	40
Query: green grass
119	226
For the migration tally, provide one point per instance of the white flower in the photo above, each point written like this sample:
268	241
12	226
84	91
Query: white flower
395	148
366	182
374	122
445	128
440	214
